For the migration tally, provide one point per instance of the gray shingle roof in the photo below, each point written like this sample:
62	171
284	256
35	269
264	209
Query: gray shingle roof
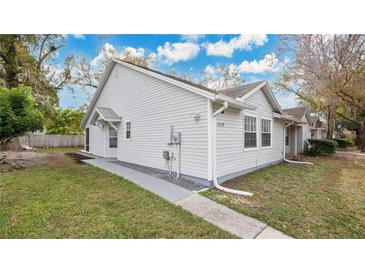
297	112
238	92
108	113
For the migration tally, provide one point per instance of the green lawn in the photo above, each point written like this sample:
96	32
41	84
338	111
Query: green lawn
326	200
64	199
59	149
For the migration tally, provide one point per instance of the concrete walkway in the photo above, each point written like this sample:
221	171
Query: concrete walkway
162	188
225	218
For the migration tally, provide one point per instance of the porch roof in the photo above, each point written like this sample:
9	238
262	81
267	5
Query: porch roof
289	118
106	114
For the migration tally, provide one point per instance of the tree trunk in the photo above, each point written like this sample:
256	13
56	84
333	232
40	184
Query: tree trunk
361	144
331	117
10	65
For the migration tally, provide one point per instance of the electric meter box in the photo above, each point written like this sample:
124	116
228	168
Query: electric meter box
166	154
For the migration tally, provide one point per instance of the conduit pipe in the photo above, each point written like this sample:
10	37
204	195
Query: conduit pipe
290	161
215	180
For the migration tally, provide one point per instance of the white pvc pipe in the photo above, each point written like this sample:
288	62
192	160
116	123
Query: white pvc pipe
297	162
215	181
290	161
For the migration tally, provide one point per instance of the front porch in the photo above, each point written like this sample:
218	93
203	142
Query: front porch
294	143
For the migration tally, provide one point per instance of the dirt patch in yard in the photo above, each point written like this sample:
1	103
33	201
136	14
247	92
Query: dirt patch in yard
23	159
78	158
358	158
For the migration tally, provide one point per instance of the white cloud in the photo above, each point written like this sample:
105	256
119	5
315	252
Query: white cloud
269	63
108	51
79	36
242	42
138	52
209	70
172	53
192	37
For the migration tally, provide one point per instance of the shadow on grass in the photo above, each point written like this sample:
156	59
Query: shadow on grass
78	158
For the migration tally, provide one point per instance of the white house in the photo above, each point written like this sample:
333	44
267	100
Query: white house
318	127
297	134
145	117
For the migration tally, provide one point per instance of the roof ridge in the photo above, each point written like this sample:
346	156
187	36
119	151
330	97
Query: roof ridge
243	84
298	107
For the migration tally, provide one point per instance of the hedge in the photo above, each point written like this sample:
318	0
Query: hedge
344	143
320	147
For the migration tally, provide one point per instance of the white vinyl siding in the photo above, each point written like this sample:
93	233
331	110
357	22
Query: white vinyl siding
152	105
96	142
231	157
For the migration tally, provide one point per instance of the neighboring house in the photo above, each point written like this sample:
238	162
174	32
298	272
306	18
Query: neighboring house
298	133
148	118
318	127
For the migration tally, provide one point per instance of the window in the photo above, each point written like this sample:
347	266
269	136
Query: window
87	139
113	137
250	132
265	133
127	130
287	137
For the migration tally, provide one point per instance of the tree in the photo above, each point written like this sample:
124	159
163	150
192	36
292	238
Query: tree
220	77
28	60
89	73
18	114
66	122
323	71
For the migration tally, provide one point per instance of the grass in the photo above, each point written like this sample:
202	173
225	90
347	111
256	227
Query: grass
64	199
52	150
326	200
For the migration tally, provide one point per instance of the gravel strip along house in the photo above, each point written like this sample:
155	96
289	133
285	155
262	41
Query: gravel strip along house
147	118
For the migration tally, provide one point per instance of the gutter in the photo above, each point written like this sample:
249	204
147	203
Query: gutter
214	168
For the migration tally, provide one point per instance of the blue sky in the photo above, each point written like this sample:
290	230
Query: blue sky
254	56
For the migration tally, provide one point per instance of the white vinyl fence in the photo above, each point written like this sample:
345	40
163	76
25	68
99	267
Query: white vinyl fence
52	140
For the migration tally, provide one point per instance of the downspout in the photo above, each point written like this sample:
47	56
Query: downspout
214	168
286	160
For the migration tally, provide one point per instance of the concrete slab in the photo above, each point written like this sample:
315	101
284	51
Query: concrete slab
129	174
243	226
271	233
158	186
169	191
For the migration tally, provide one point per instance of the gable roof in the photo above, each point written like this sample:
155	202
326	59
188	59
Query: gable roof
246	90
188	85
173	77
107	113
240	91
297	112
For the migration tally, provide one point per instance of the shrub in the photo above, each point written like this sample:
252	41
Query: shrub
320	147
344	143
18	113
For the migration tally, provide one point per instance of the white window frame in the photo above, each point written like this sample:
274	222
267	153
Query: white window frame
271	132
110	127
257	132
130	131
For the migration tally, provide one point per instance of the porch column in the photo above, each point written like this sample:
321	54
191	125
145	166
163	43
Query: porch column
296	141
